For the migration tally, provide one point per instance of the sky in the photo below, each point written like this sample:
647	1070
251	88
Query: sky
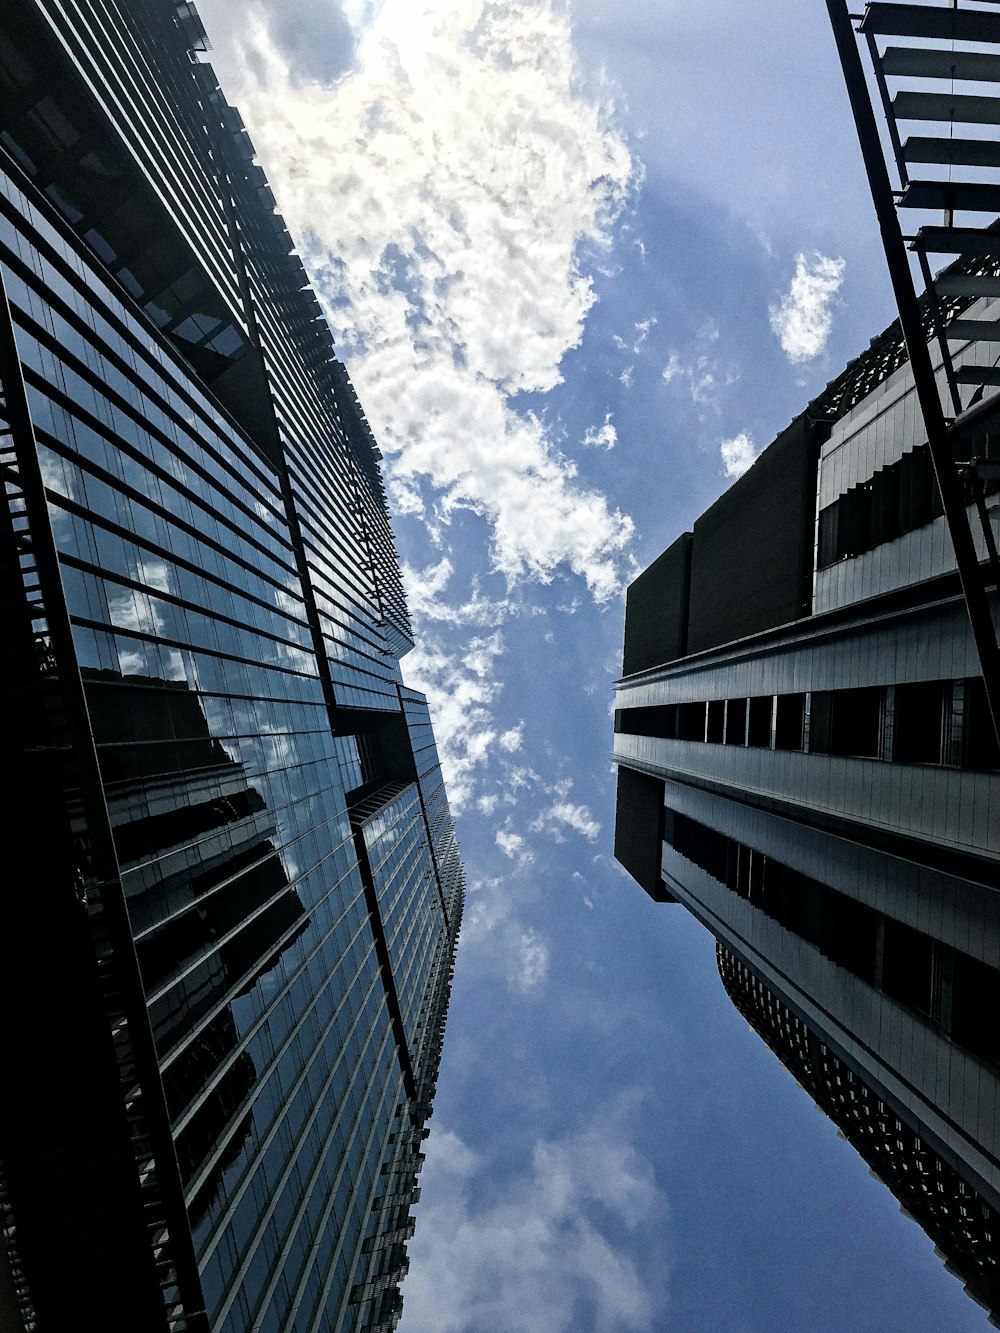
583	261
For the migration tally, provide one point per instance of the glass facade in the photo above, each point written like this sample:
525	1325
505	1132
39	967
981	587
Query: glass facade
255	828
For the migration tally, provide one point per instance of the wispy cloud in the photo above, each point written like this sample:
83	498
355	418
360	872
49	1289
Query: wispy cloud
738	454
424	594
512	844
601	437
494	934
700	373
804	317
455	174
563	815
549	1257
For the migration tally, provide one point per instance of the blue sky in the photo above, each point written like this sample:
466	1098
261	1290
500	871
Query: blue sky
582	261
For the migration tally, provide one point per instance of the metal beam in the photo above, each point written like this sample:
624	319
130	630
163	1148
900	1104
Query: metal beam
935	425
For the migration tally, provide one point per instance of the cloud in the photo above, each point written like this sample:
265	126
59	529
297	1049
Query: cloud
561	1250
493	934
513	739
673	369
601	437
510	843
738	454
804	317
563	815
701	373
314	37
443	196
423	594
642	329
461	688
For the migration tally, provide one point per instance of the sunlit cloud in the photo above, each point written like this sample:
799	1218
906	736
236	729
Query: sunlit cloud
565	816
443	195
461	688
804	317
738	455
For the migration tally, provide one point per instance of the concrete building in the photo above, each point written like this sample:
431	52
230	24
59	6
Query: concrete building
807	763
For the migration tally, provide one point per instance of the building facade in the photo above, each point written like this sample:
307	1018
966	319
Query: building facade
807	763
234	890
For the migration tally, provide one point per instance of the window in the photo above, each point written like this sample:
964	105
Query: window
759	724
716	725
691	722
789	719
908	966
918	717
736	721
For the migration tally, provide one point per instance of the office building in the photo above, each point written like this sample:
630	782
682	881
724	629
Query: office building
806	762
233	890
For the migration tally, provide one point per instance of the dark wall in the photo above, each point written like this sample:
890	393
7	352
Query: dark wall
751	556
656	610
639	830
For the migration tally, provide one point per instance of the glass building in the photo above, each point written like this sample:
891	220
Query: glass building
233	892
806	762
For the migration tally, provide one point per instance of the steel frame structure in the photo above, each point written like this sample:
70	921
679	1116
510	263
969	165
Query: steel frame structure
977	272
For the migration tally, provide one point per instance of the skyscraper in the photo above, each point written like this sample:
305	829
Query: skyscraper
234	891
807	763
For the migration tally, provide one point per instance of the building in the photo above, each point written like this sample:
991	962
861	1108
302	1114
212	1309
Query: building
806	762
233	889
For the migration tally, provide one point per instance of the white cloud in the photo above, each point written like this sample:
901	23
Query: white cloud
513	739
461	689
510	843
423	594
642	329
550	1255
493	934
803	319
442	194
701	374
563	815
534	961
673	369
601	437
625	378
738	454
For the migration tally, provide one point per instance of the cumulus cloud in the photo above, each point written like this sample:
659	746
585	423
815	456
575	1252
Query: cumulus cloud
803	318
738	454
443	195
551	1255
512	739
563	815
601	437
